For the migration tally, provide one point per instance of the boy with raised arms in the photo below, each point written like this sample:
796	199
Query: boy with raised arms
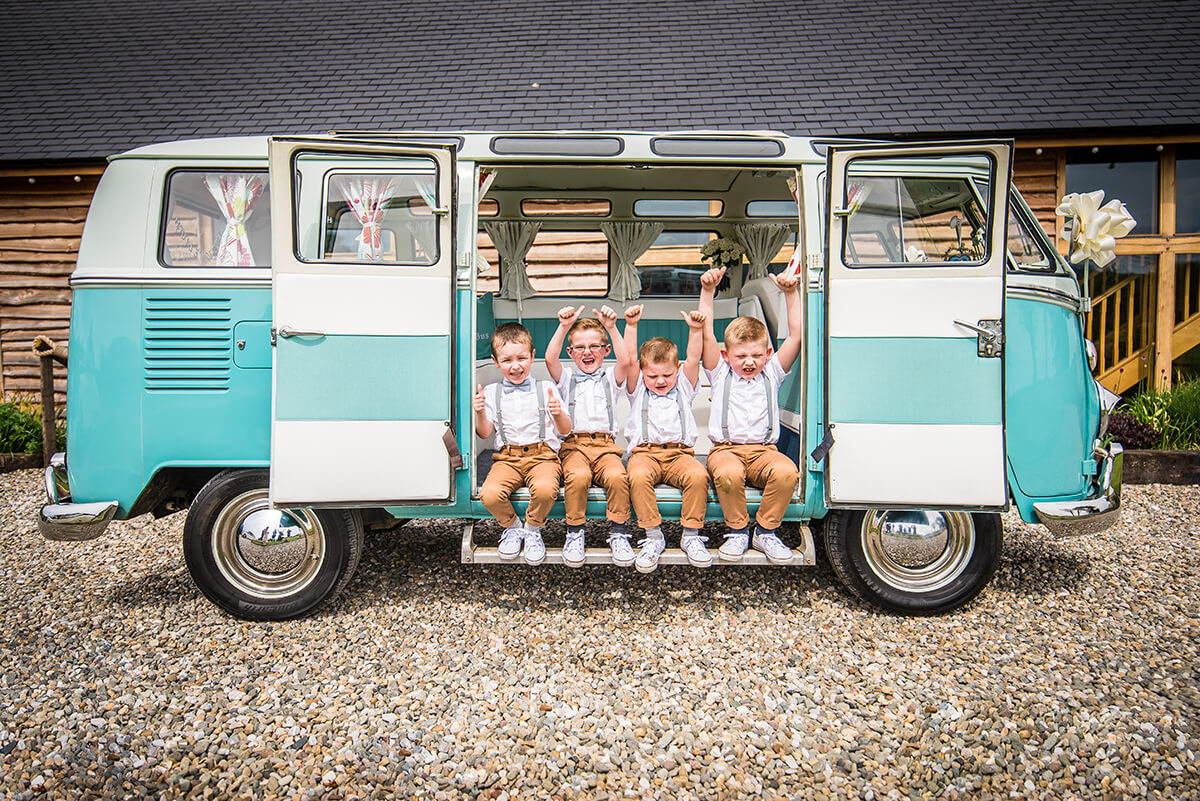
590	390
745	374
661	432
528	420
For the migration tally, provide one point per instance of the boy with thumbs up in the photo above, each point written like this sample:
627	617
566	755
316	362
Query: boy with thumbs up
528	420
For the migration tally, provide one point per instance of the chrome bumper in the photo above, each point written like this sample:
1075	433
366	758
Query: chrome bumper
1090	515
63	521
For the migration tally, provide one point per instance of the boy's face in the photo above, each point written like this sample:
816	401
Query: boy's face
660	377
588	350
747	359
515	360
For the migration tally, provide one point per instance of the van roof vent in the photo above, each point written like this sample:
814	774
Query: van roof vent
727	146
534	145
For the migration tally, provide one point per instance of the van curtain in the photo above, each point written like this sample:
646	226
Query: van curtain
368	199
761	241
235	194
628	241
513	241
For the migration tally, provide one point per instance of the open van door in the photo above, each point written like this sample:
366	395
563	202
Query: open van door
914	300
362	319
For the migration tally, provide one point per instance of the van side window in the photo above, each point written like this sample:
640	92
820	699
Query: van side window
1026	250
216	218
381	216
904	219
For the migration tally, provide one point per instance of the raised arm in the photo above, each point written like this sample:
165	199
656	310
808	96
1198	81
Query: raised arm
608	319
708	288
790	348
483	426
566	316
695	345
633	369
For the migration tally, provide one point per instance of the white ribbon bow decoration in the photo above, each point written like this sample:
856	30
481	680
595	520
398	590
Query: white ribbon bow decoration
1095	235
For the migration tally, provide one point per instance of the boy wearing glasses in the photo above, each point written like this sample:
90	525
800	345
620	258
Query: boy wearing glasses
589	391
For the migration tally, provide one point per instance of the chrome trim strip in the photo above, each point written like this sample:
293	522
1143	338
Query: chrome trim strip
75	522
169	283
1047	295
1090	515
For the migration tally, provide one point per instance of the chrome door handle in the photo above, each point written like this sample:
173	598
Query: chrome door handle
990	338
286	333
975	328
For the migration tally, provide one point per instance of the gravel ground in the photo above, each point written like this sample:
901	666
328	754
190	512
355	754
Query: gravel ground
1075	675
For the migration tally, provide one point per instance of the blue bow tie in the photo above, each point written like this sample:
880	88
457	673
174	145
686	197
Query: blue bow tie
671	393
524	386
581	376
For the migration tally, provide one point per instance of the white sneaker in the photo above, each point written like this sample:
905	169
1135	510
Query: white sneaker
573	552
510	542
535	549
697	551
622	551
770	544
734	546
647	558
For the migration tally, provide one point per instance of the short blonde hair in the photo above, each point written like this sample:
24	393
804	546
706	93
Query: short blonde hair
585	324
746	329
658	350
508	333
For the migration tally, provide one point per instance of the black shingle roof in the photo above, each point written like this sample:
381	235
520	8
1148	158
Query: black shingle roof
87	78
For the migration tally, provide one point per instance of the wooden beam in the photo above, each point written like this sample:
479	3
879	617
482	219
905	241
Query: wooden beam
38	172
1164	322
1060	182
1091	140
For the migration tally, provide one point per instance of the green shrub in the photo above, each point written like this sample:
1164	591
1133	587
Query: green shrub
21	428
1174	414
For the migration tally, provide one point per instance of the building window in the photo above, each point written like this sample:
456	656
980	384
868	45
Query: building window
1187	190
672	266
1129	174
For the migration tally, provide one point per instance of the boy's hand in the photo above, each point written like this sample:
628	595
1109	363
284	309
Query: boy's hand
607	317
568	314
712	277
553	404
694	319
477	401
787	283
633	313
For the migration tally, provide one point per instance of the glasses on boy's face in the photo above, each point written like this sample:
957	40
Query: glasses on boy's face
586	348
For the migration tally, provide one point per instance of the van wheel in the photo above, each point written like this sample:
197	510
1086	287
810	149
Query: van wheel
260	563
913	562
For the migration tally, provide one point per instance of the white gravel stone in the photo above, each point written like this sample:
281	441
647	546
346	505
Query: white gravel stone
1074	675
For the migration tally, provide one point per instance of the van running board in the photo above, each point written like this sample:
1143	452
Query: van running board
472	554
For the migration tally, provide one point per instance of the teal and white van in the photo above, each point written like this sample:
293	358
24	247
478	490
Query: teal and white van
282	335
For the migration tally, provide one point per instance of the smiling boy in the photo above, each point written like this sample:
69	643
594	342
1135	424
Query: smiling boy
745	376
590	452
528	421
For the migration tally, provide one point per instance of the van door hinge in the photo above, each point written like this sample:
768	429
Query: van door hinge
991	337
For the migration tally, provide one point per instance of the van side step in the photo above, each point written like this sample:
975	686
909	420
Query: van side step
473	554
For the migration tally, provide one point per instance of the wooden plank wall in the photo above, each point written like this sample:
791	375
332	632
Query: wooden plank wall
41	218
1037	178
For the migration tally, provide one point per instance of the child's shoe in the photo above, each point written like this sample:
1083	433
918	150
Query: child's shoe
735	545
647	558
574	552
696	550
770	544
535	549
510	542
622	551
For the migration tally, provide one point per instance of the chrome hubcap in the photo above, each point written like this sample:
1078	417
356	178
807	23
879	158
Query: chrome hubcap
917	551
265	552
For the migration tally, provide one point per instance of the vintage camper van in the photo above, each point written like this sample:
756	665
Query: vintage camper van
282	335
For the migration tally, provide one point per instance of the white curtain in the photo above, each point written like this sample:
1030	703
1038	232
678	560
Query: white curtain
512	241
628	241
235	194
761	241
368	199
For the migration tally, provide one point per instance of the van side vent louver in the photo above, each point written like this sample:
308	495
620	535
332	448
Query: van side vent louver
187	345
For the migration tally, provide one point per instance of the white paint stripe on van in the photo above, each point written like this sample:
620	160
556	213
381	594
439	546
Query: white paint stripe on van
382	305
912	307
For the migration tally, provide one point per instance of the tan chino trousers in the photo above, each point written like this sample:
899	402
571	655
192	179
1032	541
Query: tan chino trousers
535	466
763	466
589	458
674	464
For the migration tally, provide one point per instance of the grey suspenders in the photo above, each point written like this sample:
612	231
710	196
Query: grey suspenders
725	406
646	415
541	395
608	396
